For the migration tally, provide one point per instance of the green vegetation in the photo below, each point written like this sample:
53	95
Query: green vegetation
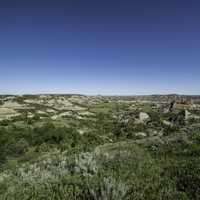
110	154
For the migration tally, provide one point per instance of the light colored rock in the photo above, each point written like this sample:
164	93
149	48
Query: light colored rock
187	115
78	99
54	117
35	101
41	112
7	113
30	115
86	113
143	116
81	132
69	113
167	123
43	96
13	105
49	110
140	134
64	114
79	117
154	133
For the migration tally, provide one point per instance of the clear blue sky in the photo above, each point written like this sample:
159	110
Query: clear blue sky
100	46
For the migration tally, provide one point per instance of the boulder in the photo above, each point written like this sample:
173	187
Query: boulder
141	134
143	117
187	115
167	123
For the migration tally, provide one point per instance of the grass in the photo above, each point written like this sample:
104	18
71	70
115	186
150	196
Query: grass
50	159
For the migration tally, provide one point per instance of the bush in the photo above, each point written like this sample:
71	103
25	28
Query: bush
187	176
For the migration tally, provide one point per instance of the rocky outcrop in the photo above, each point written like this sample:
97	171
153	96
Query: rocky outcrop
143	117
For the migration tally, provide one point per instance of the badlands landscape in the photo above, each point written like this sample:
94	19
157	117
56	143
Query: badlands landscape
99	147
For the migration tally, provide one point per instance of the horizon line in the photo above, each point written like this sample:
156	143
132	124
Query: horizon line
81	94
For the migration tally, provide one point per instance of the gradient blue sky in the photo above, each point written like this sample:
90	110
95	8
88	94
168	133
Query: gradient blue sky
100	46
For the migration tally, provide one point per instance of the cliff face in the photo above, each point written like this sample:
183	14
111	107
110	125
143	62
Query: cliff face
184	104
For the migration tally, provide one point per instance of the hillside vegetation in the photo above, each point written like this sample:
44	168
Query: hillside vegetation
74	147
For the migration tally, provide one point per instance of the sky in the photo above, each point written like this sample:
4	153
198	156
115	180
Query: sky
108	47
